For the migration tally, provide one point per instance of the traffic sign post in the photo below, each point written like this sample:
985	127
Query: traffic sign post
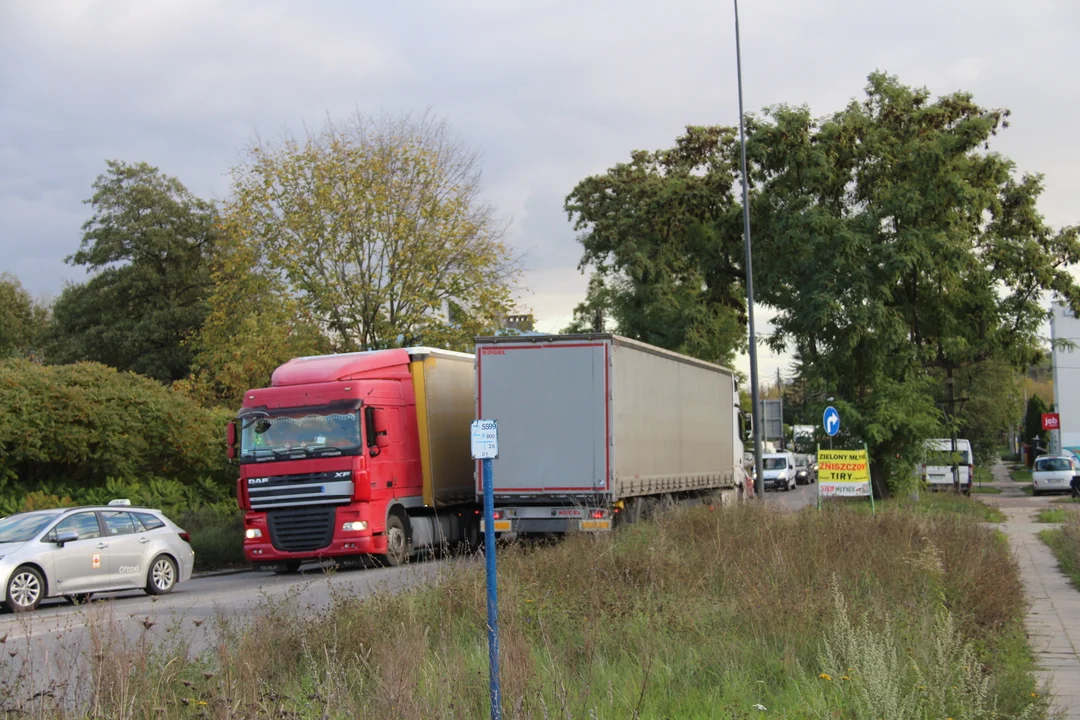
830	419
485	448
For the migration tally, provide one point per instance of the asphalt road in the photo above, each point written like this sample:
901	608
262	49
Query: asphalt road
802	496
49	650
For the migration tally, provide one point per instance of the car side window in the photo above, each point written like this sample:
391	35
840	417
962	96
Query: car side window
148	521
118	522
84	523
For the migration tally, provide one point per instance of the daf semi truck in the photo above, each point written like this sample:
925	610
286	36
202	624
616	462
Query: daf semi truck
597	427
357	454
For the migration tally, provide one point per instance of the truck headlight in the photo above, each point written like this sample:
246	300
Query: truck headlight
355	526
253	533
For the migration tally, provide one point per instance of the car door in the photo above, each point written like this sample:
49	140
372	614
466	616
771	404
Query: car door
128	546
81	565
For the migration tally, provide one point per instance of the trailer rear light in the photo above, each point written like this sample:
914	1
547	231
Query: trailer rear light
253	533
355	526
596	514
497	515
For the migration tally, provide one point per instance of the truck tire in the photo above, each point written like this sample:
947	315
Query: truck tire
398	542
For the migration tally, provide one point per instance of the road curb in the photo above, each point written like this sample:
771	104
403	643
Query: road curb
218	573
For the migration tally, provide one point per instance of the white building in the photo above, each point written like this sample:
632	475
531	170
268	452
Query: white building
1065	328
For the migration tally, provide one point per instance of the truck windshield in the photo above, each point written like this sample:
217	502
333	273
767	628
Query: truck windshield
774	464
282	435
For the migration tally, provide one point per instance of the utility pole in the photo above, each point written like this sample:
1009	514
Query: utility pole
759	483
952	427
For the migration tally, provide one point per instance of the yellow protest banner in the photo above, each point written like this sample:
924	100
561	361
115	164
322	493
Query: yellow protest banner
843	473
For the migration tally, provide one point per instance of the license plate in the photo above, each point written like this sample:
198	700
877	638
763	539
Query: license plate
500	526
595	524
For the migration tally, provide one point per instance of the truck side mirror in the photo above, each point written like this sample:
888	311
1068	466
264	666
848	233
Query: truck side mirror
230	440
382	440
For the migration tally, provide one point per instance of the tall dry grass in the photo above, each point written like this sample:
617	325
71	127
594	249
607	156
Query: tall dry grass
697	614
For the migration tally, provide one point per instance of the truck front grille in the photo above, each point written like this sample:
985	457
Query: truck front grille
301	529
280	491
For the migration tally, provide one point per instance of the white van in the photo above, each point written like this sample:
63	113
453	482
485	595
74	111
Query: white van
779	470
936	472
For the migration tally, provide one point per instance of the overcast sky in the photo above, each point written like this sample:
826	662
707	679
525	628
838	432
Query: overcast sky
549	91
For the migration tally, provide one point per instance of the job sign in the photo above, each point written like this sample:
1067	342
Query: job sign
843	473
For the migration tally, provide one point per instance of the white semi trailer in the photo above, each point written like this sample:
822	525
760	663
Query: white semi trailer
594	427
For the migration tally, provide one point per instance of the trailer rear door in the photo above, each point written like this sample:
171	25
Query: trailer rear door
551	403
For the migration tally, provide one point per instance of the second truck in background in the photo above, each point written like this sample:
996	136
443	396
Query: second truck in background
597	426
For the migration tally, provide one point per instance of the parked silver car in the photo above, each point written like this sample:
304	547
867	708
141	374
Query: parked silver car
75	552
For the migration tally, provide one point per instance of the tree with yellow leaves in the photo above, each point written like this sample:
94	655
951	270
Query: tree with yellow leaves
369	233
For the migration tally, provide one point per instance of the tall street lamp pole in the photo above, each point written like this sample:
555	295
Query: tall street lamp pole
760	484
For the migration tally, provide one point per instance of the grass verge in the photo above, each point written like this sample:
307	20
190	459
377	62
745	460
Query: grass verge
1019	473
1055	515
985	490
942	503
914	613
1065	543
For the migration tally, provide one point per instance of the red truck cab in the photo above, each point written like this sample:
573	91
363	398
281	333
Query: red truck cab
336	459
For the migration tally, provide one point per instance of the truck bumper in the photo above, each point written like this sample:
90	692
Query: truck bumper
529	519
260	550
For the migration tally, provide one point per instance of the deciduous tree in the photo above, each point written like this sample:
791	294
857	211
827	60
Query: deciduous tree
374	229
148	245
664	240
23	321
896	246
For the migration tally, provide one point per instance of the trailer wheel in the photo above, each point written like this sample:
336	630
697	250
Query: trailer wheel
398	542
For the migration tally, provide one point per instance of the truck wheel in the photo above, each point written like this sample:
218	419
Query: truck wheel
398	545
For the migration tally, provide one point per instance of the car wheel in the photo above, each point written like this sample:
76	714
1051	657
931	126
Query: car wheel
25	589
161	579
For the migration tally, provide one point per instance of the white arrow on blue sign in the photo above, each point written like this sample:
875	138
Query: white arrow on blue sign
831	420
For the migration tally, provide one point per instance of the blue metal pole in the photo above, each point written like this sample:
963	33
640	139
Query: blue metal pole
492	592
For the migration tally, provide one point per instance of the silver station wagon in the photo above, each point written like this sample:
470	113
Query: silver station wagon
76	552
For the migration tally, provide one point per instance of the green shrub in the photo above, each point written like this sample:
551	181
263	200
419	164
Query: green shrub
67	428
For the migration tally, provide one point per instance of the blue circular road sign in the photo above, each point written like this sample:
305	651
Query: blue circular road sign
831	420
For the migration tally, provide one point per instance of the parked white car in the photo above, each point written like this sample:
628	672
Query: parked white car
76	552
1053	473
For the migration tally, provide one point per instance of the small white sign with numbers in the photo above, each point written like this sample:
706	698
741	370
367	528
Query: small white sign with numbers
485	439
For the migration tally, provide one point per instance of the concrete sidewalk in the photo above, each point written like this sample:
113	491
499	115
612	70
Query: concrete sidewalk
1053	620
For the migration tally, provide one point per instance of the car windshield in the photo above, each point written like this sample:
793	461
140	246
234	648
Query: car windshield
24	526
1053	465
284	434
774	463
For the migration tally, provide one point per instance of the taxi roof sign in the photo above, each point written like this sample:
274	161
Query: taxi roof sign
120	501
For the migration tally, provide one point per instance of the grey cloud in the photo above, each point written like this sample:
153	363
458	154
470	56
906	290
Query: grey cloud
549	92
